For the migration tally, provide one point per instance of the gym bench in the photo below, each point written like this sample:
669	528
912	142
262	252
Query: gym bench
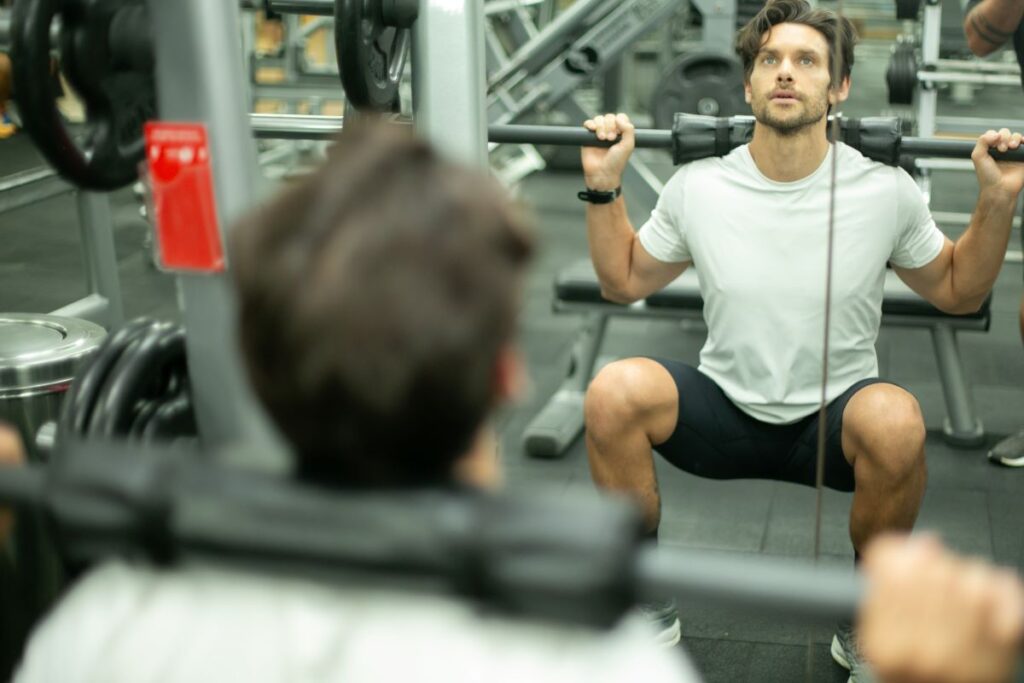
576	290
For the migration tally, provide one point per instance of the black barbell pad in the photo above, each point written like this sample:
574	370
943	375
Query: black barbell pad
697	137
879	139
722	137
849	131
693	137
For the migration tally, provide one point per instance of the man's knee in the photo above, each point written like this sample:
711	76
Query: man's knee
883	424
635	391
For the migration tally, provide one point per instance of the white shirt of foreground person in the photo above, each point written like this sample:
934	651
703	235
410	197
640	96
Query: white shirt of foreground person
129	623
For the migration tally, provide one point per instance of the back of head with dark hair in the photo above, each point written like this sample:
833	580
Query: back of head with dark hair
838	32
374	299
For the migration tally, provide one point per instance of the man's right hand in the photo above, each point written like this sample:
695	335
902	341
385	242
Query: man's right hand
930	616
603	167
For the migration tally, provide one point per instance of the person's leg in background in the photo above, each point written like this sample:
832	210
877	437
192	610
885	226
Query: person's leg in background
1010	451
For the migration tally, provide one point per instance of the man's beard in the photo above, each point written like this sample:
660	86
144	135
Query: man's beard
789	125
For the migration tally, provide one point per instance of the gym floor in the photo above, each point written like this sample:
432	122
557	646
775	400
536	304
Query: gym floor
975	507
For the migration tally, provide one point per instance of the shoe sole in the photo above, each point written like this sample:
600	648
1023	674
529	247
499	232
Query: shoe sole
837	653
670	636
1005	462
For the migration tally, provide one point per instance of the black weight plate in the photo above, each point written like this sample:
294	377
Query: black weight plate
118	95
699	83
371	55
901	75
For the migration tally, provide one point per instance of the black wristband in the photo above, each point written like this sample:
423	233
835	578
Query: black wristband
600	196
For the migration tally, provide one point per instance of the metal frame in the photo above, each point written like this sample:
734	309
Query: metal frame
201	77
102	304
448	76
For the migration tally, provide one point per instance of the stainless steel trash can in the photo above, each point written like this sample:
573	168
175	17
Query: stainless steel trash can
39	356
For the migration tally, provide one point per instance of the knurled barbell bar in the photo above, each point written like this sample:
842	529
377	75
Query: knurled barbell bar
692	136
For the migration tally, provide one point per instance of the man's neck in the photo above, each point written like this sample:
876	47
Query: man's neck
786	158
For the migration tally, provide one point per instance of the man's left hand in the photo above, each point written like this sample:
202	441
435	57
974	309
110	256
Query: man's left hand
1005	177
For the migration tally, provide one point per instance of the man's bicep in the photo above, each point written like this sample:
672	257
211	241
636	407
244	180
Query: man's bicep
648	274
933	280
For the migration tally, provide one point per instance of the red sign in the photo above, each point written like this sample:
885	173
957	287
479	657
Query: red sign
183	204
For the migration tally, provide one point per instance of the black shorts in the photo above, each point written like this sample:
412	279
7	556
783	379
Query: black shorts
715	439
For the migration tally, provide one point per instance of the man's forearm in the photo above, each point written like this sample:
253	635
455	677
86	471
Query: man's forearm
992	23
610	235
979	253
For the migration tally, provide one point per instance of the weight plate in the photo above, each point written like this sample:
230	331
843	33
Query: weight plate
901	74
700	83
371	54
118	92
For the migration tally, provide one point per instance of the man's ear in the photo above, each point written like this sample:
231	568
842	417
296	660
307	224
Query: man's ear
837	95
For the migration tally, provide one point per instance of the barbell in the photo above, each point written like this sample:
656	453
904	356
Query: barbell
692	137
551	555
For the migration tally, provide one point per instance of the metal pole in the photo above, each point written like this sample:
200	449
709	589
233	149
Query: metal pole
201	77
99	254
449	78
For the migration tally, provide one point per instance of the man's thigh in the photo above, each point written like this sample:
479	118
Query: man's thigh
802	463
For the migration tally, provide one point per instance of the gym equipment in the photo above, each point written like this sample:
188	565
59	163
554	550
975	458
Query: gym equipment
106	56
901	74
706	83
693	136
908	9
572	559
39	356
372	39
135	387
538	80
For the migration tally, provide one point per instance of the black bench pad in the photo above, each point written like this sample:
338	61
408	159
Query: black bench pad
577	284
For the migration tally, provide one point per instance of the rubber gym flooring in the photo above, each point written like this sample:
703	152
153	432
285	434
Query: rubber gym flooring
975	507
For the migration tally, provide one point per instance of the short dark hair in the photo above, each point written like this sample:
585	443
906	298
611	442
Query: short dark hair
752	36
374	299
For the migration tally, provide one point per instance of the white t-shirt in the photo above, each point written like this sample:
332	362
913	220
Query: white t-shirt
759	248
136	624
